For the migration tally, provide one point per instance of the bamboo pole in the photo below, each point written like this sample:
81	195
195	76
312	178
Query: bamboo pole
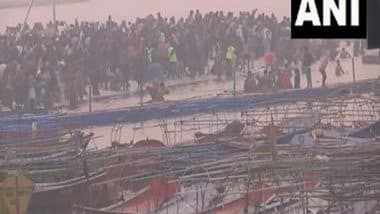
27	15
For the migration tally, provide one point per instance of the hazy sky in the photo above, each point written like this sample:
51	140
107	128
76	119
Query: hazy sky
98	10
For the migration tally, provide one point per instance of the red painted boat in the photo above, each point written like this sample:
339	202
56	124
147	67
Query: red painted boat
259	194
149	143
147	200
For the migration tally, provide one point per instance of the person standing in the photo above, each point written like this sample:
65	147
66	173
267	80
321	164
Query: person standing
21	87
284	78
307	61
172	62
31	104
269	61
230	58
322	70
86	170
3	67
297	79
339	69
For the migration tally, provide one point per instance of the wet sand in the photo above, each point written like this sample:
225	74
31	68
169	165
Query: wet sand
213	88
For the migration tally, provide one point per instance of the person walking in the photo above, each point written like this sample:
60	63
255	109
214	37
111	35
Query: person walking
322	70
339	69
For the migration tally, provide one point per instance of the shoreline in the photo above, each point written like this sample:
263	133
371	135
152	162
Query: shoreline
12	4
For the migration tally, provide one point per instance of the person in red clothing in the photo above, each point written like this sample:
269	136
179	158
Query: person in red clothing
268	60
322	69
284	77
287	83
287	77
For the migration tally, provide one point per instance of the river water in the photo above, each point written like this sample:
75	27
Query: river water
98	10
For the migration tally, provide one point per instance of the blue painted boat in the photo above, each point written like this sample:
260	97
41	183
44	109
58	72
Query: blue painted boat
51	123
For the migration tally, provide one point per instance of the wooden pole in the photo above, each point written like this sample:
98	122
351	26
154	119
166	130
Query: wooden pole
90	98
27	15
17	196
353	70
273	139
141	95
234	86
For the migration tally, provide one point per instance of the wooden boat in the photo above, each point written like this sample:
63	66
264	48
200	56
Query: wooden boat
117	162
25	133
182	108
259	194
264	195
27	137
122	170
44	152
152	158
147	143
147	200
232	130
369	131
48	197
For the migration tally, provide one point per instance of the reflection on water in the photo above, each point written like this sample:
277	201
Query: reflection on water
98	10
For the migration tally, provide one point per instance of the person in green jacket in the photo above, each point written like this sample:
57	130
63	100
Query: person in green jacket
172	61
230	59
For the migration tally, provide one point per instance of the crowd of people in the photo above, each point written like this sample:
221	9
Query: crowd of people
41	65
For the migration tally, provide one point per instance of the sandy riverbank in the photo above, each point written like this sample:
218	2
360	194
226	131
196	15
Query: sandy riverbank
6	4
